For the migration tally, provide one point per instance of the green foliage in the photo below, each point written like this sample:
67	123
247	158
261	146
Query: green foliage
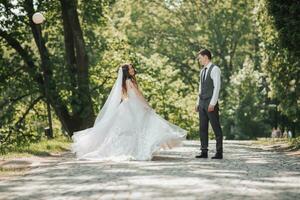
174	32
255	43
287	22
245	110
280	57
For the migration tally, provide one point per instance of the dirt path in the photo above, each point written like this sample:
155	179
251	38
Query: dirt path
244	173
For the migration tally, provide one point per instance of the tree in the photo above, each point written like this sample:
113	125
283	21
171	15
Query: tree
39	62
278	25
177	30
245	113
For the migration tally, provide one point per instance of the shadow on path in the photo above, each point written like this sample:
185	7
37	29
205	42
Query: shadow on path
244	173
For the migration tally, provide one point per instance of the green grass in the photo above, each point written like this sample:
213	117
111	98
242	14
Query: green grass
42	148
293	143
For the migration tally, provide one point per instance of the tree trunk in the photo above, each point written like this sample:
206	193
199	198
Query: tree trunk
77	61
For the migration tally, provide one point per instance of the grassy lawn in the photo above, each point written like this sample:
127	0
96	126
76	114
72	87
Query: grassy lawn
289	144
43	148
17	160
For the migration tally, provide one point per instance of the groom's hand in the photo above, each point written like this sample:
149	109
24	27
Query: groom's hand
211	108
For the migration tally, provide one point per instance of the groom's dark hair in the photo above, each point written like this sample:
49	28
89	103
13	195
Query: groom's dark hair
205	52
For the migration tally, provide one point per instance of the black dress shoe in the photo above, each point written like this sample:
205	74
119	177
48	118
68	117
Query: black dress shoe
202	155
217	156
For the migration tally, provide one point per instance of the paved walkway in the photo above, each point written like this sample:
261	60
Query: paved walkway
244	173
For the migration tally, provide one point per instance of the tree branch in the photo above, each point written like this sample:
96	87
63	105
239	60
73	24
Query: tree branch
33	103
30	67
13	100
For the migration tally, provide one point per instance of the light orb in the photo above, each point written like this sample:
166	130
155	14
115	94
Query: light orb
38	18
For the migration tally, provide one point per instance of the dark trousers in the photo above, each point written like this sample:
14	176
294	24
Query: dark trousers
213	118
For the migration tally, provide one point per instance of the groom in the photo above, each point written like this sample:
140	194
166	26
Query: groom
207	103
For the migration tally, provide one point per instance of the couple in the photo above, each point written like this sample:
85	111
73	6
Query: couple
127	128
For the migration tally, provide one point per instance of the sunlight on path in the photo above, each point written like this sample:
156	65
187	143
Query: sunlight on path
244	173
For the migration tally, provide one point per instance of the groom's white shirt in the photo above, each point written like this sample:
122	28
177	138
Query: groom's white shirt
216	77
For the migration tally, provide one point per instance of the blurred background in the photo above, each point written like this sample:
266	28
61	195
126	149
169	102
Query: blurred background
55	75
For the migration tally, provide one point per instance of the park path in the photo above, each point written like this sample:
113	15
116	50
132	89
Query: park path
244	173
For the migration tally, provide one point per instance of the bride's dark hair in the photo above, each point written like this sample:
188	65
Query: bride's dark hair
126	75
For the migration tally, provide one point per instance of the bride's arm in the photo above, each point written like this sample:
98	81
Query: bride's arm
131	85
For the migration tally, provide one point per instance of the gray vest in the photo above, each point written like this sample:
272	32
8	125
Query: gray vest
207	86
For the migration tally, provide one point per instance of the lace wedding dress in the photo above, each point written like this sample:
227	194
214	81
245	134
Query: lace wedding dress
127	129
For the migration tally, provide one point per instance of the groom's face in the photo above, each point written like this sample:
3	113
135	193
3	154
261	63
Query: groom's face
202	60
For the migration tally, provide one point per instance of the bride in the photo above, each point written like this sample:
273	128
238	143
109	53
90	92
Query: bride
126	128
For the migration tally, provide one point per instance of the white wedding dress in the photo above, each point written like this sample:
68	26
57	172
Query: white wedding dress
127	129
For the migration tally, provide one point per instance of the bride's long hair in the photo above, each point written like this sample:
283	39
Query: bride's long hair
126	75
